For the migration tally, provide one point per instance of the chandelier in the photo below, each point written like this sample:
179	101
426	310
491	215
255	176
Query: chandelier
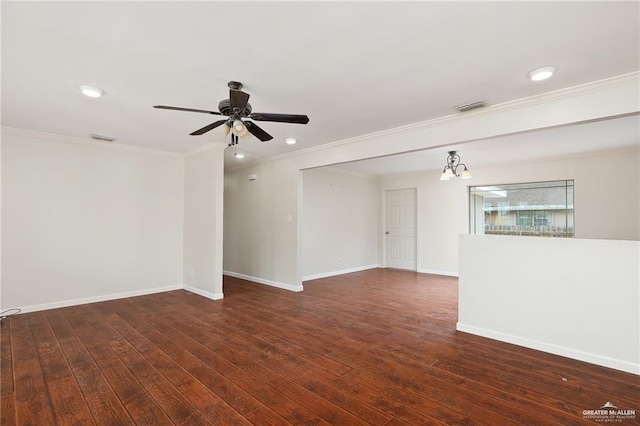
451	169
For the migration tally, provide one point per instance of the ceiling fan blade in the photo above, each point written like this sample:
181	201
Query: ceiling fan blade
205	129
186	109
238	99
280	118
256	131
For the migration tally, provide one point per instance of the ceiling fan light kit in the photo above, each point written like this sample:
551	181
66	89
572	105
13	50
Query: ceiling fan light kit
238	109
239	129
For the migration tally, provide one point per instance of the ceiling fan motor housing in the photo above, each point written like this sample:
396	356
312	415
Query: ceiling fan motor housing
225	108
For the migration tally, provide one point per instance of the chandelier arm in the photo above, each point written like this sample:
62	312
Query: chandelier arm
455	170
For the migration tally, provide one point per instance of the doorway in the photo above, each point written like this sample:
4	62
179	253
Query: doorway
401	229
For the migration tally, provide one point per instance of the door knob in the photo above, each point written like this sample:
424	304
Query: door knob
387	232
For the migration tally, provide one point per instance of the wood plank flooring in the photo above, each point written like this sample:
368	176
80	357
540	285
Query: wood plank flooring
377	347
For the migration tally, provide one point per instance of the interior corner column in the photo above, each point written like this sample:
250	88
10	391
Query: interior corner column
203	221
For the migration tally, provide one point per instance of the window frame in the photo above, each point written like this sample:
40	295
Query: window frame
570	216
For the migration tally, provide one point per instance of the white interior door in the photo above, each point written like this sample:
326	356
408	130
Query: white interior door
401	229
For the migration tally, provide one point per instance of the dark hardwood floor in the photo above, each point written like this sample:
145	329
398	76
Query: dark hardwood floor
376	347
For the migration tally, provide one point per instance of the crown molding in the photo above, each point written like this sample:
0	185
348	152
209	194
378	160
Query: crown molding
569	92
88	142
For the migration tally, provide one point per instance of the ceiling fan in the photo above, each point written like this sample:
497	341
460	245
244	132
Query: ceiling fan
238	109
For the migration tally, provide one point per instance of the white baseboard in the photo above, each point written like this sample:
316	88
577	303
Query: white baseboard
283	286
94	299
203	293
340	272
604	361
436	272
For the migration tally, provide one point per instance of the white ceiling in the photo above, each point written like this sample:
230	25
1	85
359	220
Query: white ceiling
613	134
353	67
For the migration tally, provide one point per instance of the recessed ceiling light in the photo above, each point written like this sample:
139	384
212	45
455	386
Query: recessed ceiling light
543	73
238	155
91	91
291	141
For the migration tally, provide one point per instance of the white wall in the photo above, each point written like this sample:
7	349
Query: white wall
607	200
340	230
572	297
203	218
607	189
260	243
439	219
83	220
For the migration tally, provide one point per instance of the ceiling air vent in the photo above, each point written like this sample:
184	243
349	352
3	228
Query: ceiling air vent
470	106
102	138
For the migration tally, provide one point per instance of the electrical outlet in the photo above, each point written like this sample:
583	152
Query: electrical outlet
339	260
193	273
